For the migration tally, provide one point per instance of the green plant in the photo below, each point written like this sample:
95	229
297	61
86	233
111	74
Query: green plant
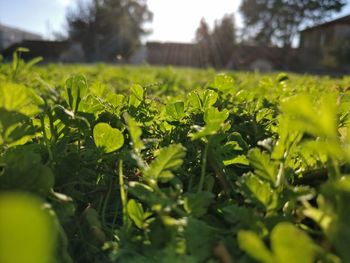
202	168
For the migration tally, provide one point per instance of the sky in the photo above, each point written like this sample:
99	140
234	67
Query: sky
177	20
174	20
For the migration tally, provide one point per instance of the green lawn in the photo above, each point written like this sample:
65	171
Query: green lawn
159	164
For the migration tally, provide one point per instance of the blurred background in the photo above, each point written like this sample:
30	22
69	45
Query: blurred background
265	35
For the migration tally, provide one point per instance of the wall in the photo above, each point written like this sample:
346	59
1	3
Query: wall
342	31
178	54
243	57
318	37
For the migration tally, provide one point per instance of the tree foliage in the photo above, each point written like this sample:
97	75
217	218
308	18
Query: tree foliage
215	46
108	28
278	21
203	38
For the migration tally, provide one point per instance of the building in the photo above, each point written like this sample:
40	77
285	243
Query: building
315	53
326	34
11	35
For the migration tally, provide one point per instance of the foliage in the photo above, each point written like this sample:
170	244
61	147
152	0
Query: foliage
279	21
108	28
215	46
125	164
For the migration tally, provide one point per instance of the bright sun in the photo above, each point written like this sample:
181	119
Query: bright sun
178	20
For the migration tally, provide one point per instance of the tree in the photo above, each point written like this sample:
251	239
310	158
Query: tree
278	21
203	39
216	46
224	39
108	28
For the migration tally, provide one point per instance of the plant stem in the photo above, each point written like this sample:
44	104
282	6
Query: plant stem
47	141
123	193
204	167
105	202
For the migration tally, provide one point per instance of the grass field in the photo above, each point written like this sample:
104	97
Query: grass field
144	164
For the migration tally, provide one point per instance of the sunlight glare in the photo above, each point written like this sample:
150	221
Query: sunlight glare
178	20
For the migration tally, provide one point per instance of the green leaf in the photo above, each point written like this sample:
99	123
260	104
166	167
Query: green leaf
251	243
282	77
290	244
320	217
202	100
288	138
259	192
135	133
141	191
169	159
106	138
200	239
223	83
197	204
207	130
238	215
263	166
18	98
24	170
136	96
335	218
317	118
238	159
76	90
135	212
144	193
15	128
27	230
214	121
175	111
22	49
91	104
232	152
213	115
208	98
93	218
116	100
194	99
33	62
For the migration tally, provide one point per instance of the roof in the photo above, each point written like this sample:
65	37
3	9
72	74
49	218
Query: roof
342	20
5	28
